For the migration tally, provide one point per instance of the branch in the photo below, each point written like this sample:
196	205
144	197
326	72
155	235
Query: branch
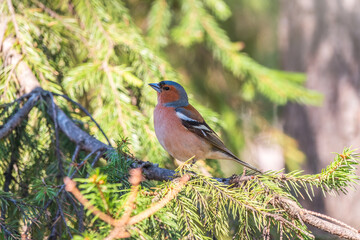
295	211
28	83
19	116
25	76
86	112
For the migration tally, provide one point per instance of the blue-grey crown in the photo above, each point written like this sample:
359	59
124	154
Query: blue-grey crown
183	100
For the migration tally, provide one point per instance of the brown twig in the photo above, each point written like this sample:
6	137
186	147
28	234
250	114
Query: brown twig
135	179
103	199
330	219
119	231
157	206
295	211
70	186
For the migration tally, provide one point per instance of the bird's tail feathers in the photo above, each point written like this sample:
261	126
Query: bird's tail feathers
247	165
235	158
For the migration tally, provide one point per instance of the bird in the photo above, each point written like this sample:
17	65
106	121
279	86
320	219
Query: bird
182	131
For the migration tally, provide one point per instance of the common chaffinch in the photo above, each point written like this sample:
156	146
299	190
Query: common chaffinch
182	131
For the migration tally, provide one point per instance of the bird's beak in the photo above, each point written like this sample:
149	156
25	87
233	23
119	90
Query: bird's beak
155	86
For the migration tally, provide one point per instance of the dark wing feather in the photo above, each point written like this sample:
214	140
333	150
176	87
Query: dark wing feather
203	130
197	125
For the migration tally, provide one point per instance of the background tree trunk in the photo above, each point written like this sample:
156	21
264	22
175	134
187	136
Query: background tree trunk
322	39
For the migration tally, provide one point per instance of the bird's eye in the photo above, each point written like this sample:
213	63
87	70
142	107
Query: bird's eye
166	88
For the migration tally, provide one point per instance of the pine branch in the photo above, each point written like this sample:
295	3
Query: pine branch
20	115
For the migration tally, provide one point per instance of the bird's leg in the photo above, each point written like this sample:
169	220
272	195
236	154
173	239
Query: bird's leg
244	173
185	166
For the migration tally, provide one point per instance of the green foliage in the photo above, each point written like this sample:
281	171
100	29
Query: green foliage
205	208
93	51
337	177
22	213
102	55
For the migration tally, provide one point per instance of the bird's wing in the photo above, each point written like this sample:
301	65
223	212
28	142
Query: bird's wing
193	121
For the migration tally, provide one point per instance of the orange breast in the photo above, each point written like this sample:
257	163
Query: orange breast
175	138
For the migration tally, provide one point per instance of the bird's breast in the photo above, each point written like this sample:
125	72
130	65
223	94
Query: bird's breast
166	125
177	140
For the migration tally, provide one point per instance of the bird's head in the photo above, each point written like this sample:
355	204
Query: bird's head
170	94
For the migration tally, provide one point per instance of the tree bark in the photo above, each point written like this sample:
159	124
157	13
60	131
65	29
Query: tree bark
322	39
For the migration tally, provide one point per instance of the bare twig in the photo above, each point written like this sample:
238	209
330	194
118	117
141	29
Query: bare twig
157	206
86	112
119	230
294	210
57	144
135	179
75	154
70	186
330	219
81	218
54	233
63	217
99	154
19	116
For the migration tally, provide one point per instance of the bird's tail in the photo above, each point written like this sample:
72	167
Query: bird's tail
246	165
235	158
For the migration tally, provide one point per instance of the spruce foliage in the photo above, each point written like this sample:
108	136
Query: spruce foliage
95	58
